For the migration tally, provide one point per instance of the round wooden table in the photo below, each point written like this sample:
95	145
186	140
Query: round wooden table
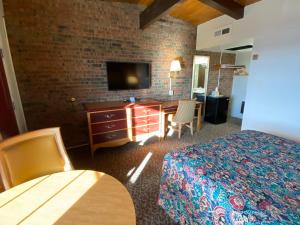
80	197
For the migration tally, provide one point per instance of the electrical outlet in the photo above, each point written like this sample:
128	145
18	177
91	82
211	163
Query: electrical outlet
255	57
171	92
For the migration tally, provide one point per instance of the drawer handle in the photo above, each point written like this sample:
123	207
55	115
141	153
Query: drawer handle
147	110
109	116
110	126
111	136
145	129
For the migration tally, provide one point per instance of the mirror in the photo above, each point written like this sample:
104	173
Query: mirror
200	74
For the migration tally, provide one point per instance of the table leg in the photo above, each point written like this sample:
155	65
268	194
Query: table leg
199	118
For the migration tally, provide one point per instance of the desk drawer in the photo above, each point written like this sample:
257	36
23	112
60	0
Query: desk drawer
171	109
108	116
140	121
145	129
145	111
109	126
111	136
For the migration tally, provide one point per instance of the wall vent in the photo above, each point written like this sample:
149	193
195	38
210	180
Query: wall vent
226	31
222	31
218	33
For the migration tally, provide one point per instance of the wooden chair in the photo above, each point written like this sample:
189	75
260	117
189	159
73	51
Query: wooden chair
185	115
32	155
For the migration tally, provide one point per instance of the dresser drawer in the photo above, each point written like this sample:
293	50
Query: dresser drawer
153	128
145	111
108	115
111	136
108	126
140	130
145	129
140	121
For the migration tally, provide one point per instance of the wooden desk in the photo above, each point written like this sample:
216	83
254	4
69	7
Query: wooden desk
78	197
170	107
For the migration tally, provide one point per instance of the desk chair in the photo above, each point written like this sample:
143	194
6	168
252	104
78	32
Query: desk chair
185	115
31	155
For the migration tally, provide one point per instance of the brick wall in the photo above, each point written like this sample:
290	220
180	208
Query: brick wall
226	77
59	49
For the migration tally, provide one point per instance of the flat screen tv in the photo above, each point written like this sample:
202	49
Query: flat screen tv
128	76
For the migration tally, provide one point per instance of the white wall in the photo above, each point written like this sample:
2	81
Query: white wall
273	95
10	74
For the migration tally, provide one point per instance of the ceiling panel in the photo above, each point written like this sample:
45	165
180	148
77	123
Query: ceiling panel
192	11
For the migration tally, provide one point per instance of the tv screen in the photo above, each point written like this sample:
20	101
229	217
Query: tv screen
126	75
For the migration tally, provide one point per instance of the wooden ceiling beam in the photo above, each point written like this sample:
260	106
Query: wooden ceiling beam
228	7
156	10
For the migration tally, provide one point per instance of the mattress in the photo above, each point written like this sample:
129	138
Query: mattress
245	178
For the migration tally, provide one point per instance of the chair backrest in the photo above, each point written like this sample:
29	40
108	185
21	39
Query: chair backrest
185	111
31	155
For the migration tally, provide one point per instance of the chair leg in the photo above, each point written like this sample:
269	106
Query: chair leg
192	128
179	130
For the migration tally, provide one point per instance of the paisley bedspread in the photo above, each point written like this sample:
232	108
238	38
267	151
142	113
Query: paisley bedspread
245	178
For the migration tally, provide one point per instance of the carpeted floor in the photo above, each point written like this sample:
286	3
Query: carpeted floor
124	163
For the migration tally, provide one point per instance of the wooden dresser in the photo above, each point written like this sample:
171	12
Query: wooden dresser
113	124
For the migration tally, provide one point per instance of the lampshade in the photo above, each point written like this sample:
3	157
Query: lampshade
175	66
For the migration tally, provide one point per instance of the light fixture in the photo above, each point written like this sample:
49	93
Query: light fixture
175	67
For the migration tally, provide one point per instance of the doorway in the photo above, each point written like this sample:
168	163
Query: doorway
8	123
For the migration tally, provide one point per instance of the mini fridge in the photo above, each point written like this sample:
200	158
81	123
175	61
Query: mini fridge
216	109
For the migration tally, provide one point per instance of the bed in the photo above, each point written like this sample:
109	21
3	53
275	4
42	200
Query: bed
245	178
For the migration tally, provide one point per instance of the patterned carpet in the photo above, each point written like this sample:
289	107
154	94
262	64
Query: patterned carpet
124	163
